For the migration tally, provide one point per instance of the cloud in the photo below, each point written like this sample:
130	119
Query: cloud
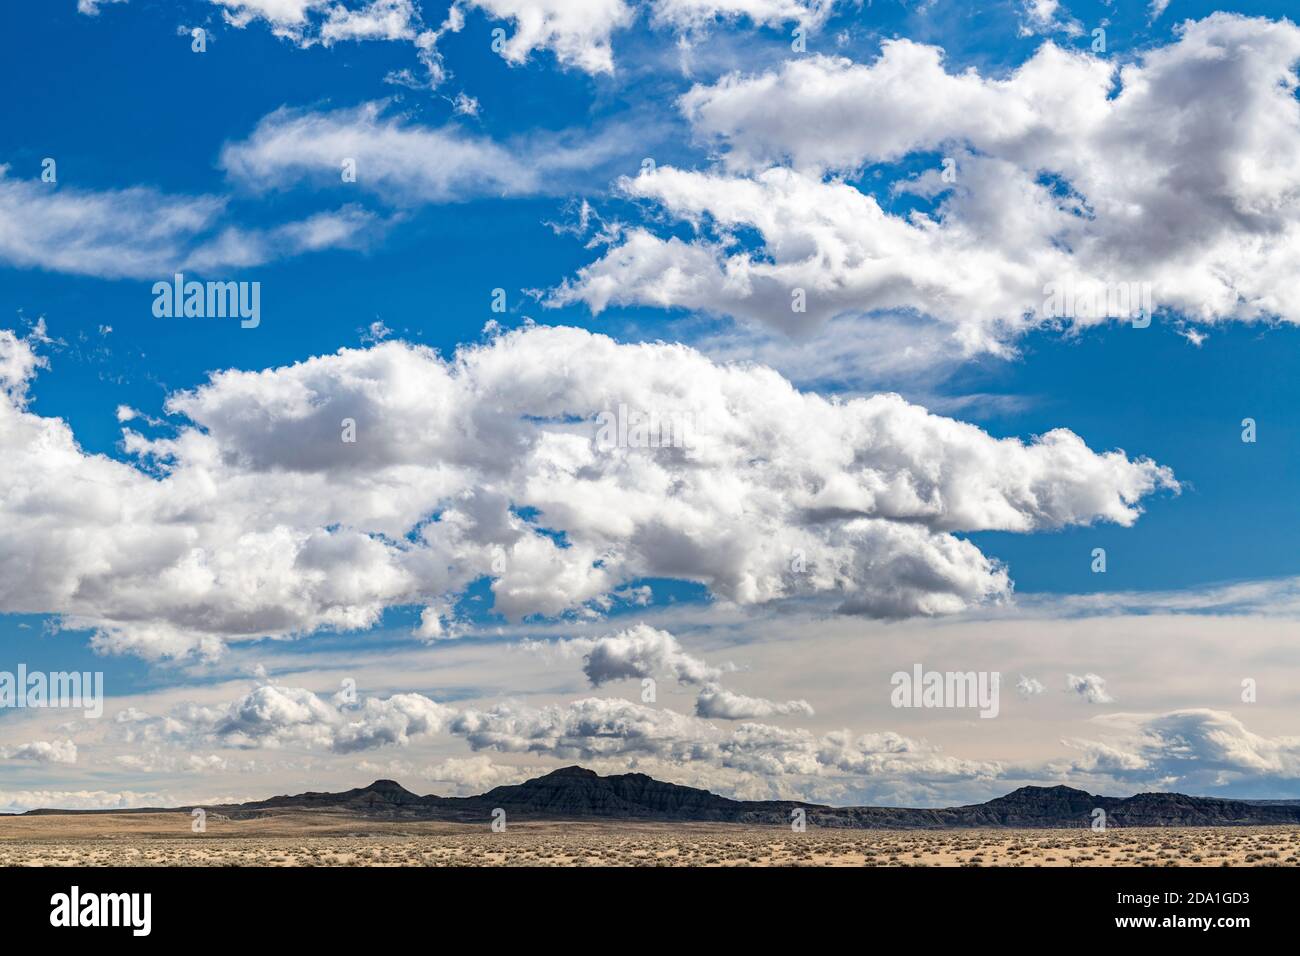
594	728
255	519
131	232
583	728
406	163
268	716
18	365
580	32
1074	171
1048	16
637	652
700	14
577	31
718	703
642	651
1192	750
43	751
156	761
91	7
392	721
462	776
20	801
828	250
309	23
1277	597
1029	687
273	717
142	233
347	228
475	775
878	352
1089	687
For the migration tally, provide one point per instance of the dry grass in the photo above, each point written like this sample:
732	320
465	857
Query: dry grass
306	839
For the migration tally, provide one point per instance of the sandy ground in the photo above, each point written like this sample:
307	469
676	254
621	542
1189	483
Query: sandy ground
306	839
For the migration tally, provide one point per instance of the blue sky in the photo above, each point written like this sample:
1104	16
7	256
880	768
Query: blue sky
430	278
118	98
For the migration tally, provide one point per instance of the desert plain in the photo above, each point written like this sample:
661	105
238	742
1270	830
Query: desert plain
327	839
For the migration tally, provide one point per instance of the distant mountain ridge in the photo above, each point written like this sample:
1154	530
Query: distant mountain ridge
575	793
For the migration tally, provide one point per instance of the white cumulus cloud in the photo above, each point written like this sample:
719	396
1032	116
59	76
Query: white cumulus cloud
255	519
43	751
1089	687
1168	173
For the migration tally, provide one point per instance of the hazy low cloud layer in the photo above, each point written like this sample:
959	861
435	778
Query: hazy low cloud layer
857	747
1189	750
1192	750
277	717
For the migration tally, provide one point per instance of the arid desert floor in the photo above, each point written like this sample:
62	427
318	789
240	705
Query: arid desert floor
308	839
